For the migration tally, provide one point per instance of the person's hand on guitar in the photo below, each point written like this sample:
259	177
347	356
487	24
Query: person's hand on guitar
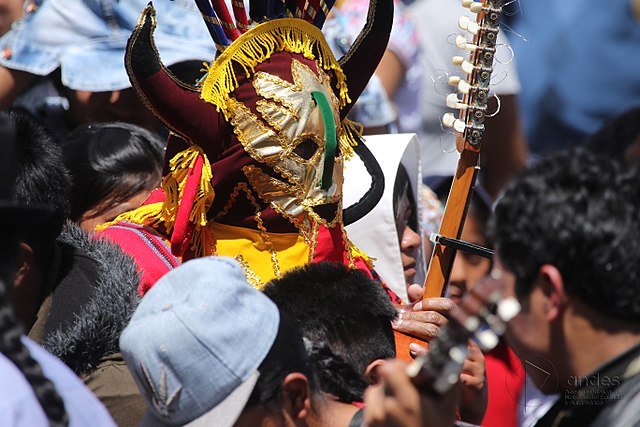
422	319
474	400
397	401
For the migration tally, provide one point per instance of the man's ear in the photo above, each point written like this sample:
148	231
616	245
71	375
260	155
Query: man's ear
552	285
296	396
371	371
25	264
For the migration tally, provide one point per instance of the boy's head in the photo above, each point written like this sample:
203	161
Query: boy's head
468	268
345	318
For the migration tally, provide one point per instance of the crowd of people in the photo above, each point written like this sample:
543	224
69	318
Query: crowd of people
222	213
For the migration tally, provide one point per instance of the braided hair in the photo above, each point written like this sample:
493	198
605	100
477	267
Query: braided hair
12	347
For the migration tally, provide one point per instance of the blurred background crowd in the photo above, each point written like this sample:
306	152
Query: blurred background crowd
80	147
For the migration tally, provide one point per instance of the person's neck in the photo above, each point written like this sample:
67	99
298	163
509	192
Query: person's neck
332	413
594	338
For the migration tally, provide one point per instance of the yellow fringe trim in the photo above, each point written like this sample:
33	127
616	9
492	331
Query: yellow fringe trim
256	46
349	137
164	213
358	253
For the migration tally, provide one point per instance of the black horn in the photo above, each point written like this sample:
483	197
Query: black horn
362	59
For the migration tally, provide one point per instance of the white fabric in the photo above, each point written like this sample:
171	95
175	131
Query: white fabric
436	23
376	233
533	404
20	407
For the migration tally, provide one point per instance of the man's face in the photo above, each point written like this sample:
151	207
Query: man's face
529	333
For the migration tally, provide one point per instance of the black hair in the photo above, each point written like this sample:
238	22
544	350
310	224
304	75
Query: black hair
11	345
574	210
617	135
40	178
402	186
344	309
287	355
478	207
110	163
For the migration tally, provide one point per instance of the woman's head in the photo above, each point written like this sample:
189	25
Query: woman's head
406	216
113	166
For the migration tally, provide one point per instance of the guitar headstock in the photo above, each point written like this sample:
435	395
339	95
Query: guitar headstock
482	315
477	67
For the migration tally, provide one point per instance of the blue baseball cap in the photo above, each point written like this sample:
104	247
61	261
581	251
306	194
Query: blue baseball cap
86	39
195	342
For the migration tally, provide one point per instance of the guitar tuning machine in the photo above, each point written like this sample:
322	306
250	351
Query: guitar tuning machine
453	101
463	43
472	5
450	121
463	86
468	67
465	23
465	65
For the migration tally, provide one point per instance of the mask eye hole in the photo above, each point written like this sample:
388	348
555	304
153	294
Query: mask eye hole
306	148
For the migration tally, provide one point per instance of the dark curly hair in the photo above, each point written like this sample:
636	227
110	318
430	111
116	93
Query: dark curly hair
577	211
344	310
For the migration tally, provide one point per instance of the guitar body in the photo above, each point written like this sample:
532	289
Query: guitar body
402	345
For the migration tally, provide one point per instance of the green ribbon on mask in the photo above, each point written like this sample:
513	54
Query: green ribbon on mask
330	142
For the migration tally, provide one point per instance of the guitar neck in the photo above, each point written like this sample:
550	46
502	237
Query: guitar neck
453	219
470	126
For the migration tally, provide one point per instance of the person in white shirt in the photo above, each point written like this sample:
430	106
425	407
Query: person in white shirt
504	151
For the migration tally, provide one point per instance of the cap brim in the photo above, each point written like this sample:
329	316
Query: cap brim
80	70
225	414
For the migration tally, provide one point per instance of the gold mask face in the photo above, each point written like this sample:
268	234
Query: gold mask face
293	144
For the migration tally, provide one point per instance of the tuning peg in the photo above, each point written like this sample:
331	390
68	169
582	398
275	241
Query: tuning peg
466	66
466	23
464	87
508	309
453	101
472	5
450	121
453	80
487	339
475	7
463	43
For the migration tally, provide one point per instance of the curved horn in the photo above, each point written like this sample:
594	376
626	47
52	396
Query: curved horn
371	198
362	59
175	103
